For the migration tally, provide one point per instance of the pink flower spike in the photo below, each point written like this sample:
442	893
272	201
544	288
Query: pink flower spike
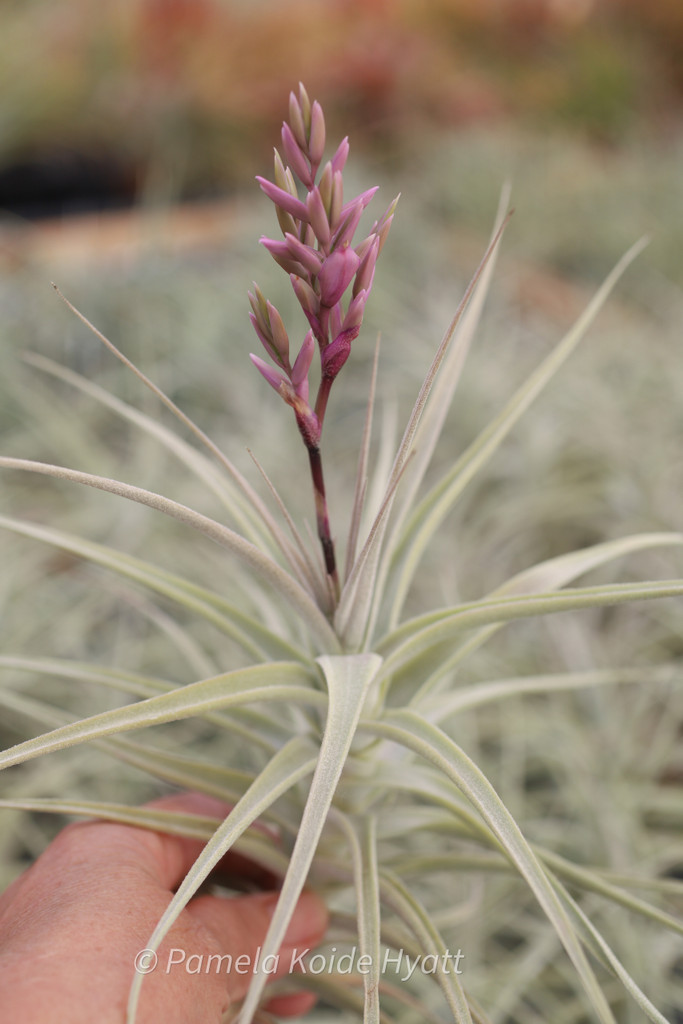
297	160
283	199
339	158
336	274
316	139
276	380
302	364
318	218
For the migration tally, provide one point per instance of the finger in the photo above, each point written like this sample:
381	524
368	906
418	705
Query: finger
180	853
239	928
295	1004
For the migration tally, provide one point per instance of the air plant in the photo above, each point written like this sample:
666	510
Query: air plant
355	698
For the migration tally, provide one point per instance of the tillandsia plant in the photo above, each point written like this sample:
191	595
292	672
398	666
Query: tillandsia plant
337	732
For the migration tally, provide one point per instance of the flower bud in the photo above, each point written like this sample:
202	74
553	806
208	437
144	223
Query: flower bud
274	377
325	187
306	255
349	217
295	157
302	365
354	314
317	218
283	199
316	137
339	159
336	274
282	256
337	352
337	200
308	300
296	120
279	172
366	270
382	229
279	335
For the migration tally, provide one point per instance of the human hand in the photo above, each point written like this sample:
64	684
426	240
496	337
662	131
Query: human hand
72	924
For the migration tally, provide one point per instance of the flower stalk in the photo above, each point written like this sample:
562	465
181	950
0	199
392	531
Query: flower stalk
318	253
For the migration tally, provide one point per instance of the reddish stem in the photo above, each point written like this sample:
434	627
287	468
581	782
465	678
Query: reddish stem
322	516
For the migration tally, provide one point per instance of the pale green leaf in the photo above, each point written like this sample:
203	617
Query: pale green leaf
248	521
426	633
281	681
296	760
468	697
259	509
590	880
252	557
146	686
404	903
593	939
435	506
355	613
253	844
366	881
361	471
257	641
409	730
348	680
549	575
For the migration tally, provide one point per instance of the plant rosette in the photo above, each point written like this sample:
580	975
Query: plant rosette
352	771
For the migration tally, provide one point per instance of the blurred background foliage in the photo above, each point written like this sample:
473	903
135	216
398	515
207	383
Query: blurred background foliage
183	98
